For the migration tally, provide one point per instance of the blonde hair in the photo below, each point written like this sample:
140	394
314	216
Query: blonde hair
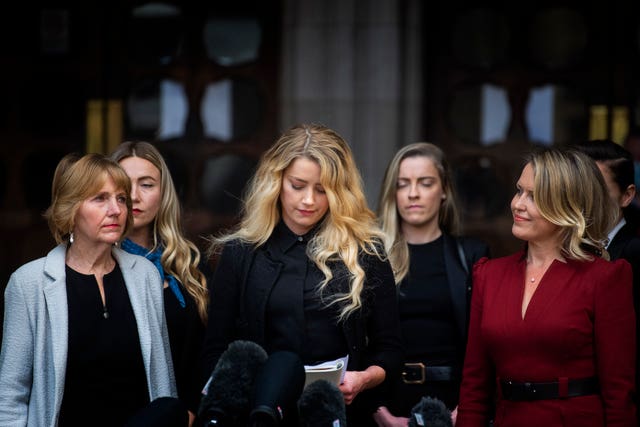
76	179
180	256
390	220
349	226
569	191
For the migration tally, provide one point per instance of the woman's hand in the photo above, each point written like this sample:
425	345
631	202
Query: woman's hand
356	381
384	418
454	415
352	384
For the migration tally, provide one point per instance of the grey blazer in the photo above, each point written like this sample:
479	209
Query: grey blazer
33	358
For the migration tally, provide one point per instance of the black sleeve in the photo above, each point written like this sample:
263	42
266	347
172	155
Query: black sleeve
474	249
384	347
224	294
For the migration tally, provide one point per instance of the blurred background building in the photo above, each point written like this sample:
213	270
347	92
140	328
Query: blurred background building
212	84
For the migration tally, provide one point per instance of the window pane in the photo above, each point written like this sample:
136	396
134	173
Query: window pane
223	182
480	114
155	33
556	114
558	37
158	109
480	38
231	109
232	41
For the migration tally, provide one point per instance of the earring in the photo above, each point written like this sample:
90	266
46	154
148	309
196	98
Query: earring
71	237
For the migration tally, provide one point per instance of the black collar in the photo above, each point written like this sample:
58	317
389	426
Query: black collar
285	239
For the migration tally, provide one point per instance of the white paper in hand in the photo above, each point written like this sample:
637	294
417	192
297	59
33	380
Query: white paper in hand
332	371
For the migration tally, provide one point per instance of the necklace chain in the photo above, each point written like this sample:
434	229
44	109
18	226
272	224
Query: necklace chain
532	279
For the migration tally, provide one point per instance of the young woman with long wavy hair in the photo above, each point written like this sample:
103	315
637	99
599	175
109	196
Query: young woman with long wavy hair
305	270
157	234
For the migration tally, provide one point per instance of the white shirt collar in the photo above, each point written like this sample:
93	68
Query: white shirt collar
615	230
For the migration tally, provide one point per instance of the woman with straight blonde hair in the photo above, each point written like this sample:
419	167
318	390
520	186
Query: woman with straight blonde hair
157	235
305	271
552	328
432	264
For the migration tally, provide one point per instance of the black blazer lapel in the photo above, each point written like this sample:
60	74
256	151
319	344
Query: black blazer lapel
457	278
254	299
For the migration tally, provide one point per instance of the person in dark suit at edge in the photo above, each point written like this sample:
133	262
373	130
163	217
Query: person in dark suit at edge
616	165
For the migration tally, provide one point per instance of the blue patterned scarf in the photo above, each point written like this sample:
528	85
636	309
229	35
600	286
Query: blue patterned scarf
154	257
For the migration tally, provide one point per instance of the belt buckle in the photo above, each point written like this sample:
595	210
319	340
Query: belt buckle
420	380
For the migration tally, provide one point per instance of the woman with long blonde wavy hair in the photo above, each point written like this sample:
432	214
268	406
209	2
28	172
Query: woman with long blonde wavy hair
157	235
305	270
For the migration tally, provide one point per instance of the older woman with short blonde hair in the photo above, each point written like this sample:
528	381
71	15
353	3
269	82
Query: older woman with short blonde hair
85	341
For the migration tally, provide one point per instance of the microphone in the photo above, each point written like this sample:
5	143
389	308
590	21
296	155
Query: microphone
322	405
430	412
277	388
227	393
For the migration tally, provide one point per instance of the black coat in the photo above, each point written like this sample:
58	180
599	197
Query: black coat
459	276
237	308
626	245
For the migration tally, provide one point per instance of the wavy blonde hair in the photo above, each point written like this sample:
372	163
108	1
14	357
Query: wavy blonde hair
348	228
569	191
75	179
180	256
388	216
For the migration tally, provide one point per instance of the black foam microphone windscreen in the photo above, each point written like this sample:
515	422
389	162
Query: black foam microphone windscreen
228	392
322	405
430	412
277	388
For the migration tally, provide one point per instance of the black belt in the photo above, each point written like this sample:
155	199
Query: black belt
561	389
418	373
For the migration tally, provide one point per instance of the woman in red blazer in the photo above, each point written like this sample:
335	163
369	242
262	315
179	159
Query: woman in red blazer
552	328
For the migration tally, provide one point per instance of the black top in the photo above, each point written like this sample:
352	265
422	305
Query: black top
238	311
427	321
105	379
296	317
434	300
186	335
